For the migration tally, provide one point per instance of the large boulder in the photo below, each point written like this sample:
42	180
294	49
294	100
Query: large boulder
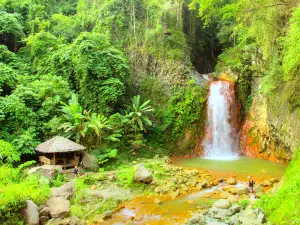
59	207
141	174
48	171
222	204
242	190
89	161
30	213
233	198
65	190
231	181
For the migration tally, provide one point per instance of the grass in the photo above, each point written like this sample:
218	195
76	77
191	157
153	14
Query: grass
282	207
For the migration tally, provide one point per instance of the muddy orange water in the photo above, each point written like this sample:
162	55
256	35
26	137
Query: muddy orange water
176	211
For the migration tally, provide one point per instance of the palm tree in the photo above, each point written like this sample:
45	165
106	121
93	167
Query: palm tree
98	123
139	111
75	118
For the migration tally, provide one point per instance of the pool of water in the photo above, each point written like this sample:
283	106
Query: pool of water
240	167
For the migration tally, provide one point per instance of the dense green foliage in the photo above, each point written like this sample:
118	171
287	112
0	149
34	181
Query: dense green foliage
259	39
15	188
282	207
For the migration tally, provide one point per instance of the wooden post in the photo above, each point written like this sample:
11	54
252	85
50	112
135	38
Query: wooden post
54	158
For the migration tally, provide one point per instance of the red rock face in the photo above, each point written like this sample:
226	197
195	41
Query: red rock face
256	139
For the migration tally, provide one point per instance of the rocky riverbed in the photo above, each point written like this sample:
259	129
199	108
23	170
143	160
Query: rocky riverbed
150	192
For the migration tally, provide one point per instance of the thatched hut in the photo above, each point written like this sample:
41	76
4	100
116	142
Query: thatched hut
60	151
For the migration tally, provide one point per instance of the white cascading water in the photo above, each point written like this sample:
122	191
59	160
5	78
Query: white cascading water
219	139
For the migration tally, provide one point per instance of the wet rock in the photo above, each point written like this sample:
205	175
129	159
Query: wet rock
205	183
258	188
107	214
266	183
141	174
242	190
224	195
98	219
157	201
59	207
273	180
30	213
199	186
221	180
175	194
193	183
48	171
231	181
233	191
222	204
233	198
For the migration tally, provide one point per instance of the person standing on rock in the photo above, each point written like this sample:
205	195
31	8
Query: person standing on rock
251	184
76	171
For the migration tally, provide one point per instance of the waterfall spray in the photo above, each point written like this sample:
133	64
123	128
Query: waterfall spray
221	139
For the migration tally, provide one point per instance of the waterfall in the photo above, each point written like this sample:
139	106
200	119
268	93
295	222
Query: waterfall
221	138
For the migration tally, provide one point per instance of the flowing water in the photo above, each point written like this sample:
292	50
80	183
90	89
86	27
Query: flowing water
221	139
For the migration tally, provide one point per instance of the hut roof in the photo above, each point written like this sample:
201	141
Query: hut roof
59	144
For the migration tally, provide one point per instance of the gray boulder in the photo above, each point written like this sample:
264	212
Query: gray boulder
141	174
89	161
65	190
222	204
48	171
242	190
59	207
30	213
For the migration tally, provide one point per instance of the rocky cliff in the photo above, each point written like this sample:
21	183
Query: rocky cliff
271	129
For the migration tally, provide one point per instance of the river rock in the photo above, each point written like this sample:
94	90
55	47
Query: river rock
242	190
234	209
65	190
196	219
222	204
59	207
258	188
48	171
233	198
89	161
199	186
273	180
224	195
45	211
233	191
141	174
231	181
175	194
266	183
157	201
107	214
30	213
